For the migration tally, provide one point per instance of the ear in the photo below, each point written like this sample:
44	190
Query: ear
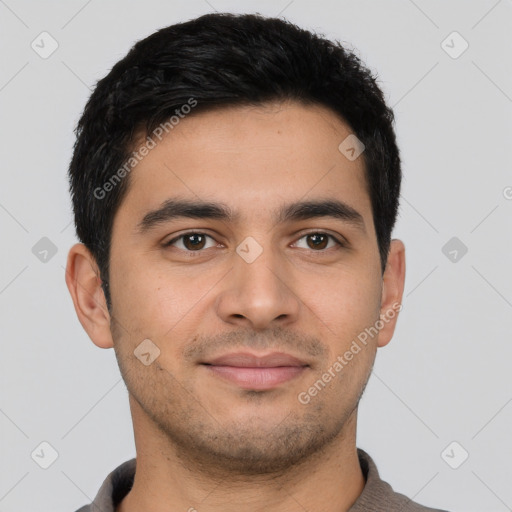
392	291
84	285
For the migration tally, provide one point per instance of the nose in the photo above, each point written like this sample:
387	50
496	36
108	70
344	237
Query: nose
259	294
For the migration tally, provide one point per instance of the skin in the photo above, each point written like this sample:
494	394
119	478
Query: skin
203	442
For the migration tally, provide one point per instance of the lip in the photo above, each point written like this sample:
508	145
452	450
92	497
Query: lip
248	360
250	371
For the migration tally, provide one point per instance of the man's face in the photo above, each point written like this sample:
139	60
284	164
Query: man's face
255	283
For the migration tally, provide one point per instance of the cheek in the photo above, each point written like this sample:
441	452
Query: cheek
346	302
137	295
349	306
153	300
152	303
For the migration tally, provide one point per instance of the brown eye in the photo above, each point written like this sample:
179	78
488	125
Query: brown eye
191	242
194	241
319	241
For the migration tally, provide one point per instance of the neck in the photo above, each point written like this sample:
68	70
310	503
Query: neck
168	480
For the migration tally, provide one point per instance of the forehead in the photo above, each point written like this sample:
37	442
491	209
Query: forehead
252	158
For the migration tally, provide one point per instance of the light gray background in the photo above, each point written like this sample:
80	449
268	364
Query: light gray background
446	374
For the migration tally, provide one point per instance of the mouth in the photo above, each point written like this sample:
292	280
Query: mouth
250	371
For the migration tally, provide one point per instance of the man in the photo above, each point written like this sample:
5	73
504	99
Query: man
235	183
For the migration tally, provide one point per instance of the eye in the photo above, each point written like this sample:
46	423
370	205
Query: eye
195	241
318	241
191	242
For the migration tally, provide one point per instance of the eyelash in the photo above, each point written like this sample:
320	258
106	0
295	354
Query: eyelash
339	243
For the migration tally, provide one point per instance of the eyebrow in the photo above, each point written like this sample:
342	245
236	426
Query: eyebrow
172	209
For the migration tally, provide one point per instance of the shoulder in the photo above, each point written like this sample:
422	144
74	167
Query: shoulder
114	488
379	495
